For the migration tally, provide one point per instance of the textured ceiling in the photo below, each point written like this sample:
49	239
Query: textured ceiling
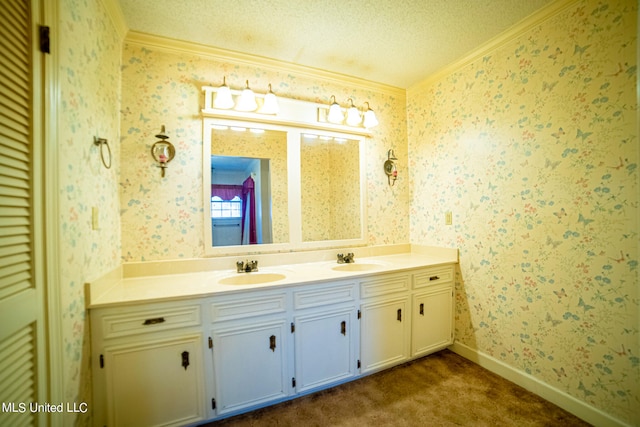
395	42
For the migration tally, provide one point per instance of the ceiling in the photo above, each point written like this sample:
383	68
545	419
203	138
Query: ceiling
394	42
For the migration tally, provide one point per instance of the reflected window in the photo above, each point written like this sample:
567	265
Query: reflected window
226	208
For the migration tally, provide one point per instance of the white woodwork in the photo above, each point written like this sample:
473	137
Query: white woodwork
403	315
325	348
432	323
385	329
147	384
249	371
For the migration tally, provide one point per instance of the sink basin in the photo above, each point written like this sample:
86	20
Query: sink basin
251	278
357	267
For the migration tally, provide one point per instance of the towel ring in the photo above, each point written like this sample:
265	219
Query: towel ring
102	142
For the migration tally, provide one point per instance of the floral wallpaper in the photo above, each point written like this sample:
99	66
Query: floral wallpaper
534	150
330	179
162	218
89	84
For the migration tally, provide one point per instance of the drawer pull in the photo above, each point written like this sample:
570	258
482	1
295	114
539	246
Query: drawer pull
272	343
343	328
399	315
422	309
185	359
154	321
434	278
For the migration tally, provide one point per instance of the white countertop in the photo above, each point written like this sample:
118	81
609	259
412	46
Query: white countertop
169	287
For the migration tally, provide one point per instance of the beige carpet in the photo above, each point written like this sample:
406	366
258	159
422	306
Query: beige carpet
442	389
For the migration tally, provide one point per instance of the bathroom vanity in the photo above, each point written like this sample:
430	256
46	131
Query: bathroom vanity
181	349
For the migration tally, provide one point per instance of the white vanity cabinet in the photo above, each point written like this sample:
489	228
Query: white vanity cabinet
433	305
385	326
250	346
207	357
147	365
325	333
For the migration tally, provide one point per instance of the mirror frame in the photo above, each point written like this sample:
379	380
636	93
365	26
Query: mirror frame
294	134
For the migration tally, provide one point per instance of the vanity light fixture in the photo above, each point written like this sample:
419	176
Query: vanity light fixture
353	115
247	100
270	104
335	112
370	119
163	151
223	99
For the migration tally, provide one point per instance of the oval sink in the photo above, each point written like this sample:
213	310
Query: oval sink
356	267
251	278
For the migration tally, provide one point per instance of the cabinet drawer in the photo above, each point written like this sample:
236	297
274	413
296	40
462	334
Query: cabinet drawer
384	285
432	277
249	305
326	295
145	321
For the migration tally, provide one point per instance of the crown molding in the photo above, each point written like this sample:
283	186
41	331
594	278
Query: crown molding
497	42
117	18
212	53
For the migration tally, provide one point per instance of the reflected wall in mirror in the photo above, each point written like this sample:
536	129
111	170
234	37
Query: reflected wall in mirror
330	184
249	186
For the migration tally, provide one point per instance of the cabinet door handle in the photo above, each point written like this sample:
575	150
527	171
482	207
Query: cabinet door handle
399	315
434	278
343	328
422	309
272	343
185	359
154	321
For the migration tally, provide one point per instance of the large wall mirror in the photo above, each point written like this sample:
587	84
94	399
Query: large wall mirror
270	187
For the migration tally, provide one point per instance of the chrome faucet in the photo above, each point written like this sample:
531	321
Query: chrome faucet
248	267
346	259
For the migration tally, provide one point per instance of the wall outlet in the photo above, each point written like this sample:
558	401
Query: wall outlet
448	218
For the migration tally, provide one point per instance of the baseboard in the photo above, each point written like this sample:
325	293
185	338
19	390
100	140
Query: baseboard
569	403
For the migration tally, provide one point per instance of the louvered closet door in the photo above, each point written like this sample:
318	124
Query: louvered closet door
22	376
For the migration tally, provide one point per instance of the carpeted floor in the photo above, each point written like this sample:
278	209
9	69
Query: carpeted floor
442	389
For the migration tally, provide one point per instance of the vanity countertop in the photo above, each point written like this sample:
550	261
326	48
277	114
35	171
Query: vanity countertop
170	287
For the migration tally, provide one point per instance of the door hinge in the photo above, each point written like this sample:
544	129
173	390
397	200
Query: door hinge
293	382
101	361
359	314
358	363
210	342
293	327
45	40
213	403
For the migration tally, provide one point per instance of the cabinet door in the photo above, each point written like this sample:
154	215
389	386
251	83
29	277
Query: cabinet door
249	362
156	383
385	330
325	348
432	326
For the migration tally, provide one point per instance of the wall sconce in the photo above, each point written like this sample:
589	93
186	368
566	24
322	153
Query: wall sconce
390	167
163	151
